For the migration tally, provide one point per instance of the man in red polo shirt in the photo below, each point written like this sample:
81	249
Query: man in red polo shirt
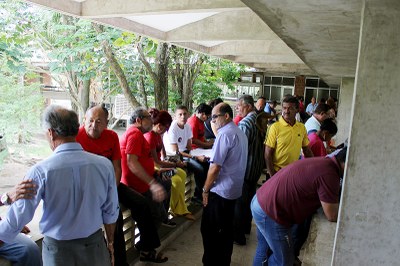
196	122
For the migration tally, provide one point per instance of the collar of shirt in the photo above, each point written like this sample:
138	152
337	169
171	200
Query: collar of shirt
69	146
284	123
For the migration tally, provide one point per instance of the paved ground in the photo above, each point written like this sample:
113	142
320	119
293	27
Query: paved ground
187	249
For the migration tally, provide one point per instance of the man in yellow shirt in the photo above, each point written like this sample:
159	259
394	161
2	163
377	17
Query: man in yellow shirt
286	138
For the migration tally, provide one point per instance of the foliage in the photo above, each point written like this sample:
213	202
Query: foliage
20	106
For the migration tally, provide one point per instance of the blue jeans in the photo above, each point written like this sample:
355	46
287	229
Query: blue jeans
272	238
21	251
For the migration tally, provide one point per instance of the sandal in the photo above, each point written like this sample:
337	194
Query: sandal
153	256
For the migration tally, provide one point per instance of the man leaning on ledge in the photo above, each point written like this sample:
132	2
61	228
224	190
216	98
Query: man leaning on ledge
79	195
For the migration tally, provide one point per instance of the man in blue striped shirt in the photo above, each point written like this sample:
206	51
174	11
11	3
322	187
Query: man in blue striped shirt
79	195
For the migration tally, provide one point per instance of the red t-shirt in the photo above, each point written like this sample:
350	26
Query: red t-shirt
237	119
197	129
295	191
155	142
107	145
316	145
133	142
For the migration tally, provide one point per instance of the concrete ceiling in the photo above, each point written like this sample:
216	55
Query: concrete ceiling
310	37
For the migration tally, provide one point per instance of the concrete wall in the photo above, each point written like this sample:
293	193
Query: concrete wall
367	232
344	109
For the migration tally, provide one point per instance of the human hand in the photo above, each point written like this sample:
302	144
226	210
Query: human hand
157	191
181	164
25	230
201	158
24	190
205	199
110	247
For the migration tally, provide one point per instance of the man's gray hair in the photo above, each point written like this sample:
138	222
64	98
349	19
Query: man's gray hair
138	112
247	99
64	122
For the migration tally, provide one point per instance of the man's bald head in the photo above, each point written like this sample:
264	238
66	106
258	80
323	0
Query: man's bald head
96	120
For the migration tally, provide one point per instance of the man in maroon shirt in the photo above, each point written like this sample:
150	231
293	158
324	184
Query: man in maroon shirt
288	198
196	122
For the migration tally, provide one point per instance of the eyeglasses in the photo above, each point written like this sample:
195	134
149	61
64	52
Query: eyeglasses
213	117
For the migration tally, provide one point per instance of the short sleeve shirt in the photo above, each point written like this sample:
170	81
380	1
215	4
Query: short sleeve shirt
133	142
155	142
107	145
230	152
197	129
177	135
287	141
316	145
296	191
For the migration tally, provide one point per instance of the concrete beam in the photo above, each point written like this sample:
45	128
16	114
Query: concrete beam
128	25
121	8
249	27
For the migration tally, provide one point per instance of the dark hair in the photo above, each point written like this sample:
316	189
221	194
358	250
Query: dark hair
321	108
342	155
247	99
291	99
226	109
64	122
330	126
214	102
204	108
261	97
138	112
182	107
160	117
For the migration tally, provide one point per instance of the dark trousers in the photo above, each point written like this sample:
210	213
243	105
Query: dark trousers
243	217
140	211
119	242
217	230
200	171
300	234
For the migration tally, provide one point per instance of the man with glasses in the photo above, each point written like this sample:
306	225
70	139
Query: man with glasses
139	191
222	187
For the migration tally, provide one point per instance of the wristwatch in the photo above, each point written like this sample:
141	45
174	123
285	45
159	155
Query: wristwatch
205	191
5	199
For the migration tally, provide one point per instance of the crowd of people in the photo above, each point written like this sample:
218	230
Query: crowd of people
92	172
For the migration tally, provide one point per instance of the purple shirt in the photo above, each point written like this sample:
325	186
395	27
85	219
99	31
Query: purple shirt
230	152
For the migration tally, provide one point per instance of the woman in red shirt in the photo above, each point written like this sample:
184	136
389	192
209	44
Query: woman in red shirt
161	122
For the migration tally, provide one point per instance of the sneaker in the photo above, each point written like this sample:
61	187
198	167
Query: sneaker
169	223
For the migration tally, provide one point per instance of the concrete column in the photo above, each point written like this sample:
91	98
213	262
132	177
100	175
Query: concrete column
344	109
368	226
300	85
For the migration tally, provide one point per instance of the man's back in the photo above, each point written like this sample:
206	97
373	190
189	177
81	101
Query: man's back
78	191
295	192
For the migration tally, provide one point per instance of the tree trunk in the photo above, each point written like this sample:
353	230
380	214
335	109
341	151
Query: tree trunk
161	87
159	75
84	98
140	85
116	68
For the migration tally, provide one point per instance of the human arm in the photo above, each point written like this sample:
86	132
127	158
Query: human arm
26	189
331	210
117	169
307	152
136	168
110	229
212	175
268	156
202	144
